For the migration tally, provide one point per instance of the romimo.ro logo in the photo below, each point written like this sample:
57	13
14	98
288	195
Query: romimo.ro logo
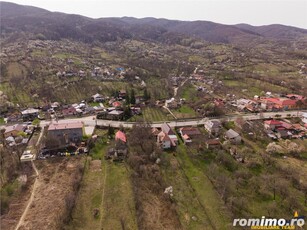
269	223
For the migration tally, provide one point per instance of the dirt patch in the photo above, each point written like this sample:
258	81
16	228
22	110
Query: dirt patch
95	166
154	209
54	184
19	200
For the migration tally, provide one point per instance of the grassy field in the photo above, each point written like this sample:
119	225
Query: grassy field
106	187
118	203
151	114
189	92
185	197
184	112
204	191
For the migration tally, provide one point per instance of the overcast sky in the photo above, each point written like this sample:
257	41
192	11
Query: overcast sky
254	12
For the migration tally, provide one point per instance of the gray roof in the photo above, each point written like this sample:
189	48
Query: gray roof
231	134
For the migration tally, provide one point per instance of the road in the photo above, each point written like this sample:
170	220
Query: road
91	121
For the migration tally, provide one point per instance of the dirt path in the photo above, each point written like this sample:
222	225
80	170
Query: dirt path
103	195
21	220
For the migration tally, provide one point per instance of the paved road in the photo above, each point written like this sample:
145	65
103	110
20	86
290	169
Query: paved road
91	121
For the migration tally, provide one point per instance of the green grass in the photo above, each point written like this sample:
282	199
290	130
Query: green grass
204	191
89	198
152	114
184	112
118	202
109	190
187	204
2	121
189	92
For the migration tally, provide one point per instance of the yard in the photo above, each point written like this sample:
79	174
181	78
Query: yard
105	199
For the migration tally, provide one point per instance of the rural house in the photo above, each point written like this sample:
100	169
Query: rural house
233	136
120	136
65	133
167	137
213	126
13	130
272	124
187	133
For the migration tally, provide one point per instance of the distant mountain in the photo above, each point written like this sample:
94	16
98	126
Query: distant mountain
54	25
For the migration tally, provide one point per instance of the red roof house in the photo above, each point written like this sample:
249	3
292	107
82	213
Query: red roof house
120	136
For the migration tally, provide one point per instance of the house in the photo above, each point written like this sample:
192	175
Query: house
164	140
233	136
284	134
69	111
13	130
65	133
29	114
115	115
120	136
190	131
116	104
187	133
97	98
167	137
186	139
213	143
272	124
213	126
122	93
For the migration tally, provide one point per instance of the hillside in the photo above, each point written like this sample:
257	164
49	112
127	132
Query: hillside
58	25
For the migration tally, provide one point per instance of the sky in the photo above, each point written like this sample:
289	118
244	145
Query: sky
254	12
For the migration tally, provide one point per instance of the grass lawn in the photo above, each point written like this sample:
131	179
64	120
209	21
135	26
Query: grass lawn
152	114
189	92
106	186
185	197
89	198
204	191
184	112
118	204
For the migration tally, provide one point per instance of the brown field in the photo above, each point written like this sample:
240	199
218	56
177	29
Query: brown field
55	182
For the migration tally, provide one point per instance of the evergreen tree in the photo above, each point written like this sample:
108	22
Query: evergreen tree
132	97
127	112
110	131
127	98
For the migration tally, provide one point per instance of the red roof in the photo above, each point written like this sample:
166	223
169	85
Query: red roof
273	122
116	104
289	102
120	136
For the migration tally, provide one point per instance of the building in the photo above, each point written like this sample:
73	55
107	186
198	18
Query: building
120	136
187	133
65	133
13	130
213	143
272	124
233	136
29	114
167	137
213	126
97	98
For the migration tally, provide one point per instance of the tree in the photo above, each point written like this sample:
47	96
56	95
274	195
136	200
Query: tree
110	131
127	99
132	97
146	95
127	112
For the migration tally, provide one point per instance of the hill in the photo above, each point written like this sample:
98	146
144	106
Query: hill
55	26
